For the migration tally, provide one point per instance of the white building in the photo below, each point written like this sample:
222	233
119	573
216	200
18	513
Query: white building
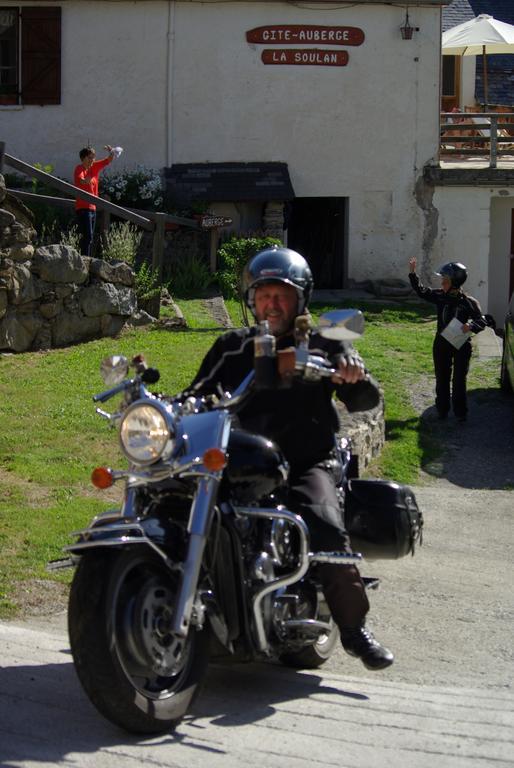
344	109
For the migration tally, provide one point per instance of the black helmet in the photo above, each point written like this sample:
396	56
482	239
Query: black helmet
277	265
457	273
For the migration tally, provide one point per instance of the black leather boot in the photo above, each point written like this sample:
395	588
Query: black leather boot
360	642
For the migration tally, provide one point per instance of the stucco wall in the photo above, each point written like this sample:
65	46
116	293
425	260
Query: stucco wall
177	82
113	89
363	131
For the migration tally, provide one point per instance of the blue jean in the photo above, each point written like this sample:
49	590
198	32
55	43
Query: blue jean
86	220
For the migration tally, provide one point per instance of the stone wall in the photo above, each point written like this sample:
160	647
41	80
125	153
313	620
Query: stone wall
366	430
52	296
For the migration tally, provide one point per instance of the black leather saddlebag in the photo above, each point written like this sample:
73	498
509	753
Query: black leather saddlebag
382	518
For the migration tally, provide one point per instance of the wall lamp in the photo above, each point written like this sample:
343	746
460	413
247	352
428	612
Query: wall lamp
406	28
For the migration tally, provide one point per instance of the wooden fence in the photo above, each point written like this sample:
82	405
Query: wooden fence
478	133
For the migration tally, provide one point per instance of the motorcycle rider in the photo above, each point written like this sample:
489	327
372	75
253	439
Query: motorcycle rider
451	301
277	285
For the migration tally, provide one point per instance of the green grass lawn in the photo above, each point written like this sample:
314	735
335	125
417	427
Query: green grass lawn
51	438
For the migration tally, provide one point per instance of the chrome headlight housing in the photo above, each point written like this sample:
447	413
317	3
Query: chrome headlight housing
146	432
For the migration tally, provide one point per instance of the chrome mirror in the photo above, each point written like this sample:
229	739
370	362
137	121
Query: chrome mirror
341	324
114	369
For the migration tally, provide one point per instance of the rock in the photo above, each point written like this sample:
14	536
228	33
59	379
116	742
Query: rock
6	218
3	301
111	325
140	318
365	429
20	235
3	192
17	331
21	252
24	287
60	264
62	291
50	309
68	329
22	214
104	298
117	272
43	338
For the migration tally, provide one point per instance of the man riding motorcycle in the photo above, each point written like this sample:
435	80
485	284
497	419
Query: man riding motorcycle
277	286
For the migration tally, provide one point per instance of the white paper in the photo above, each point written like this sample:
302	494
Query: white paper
454	334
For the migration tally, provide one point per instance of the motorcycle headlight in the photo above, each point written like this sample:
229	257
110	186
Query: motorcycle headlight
146	433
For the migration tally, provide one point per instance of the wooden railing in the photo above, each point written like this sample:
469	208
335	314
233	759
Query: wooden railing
478	133
149	220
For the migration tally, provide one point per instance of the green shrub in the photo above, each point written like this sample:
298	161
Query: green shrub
190	276
147	284
121	242
232	256
70	237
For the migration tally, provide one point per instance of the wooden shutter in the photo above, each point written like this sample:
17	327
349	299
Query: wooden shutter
40	55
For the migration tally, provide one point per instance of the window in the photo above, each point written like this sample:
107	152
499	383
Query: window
30	55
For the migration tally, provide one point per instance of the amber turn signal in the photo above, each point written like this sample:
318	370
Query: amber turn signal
214	459
101	477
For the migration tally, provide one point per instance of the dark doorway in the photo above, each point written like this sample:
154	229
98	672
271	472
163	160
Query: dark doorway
316	228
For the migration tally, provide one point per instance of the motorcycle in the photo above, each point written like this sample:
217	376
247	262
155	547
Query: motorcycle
203	561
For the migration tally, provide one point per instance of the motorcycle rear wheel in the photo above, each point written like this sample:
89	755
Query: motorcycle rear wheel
313	656
135	672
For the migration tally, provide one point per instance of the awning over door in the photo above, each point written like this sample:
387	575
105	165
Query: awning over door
228	182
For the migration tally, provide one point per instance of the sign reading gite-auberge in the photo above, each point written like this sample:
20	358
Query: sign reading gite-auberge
298	34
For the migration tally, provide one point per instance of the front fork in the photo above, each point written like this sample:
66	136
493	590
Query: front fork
198	528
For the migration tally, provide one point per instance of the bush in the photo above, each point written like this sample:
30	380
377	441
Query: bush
70	237
121	242
141	188
146	286
190	276
232	257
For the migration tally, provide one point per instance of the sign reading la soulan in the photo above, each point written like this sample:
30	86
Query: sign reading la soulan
312	56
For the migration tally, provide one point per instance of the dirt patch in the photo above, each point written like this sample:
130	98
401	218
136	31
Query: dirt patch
41	597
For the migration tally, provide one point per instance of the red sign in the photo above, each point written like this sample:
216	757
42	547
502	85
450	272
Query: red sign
299	34
317	57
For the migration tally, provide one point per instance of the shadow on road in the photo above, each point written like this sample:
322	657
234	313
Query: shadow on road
260	687
478	453
44	714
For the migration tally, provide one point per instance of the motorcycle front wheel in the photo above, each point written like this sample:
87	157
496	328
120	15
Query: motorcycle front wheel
134	670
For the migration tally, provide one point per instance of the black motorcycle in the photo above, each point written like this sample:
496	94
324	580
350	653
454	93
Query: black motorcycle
202	561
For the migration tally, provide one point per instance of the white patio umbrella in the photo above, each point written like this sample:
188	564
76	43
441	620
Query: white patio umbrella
480	36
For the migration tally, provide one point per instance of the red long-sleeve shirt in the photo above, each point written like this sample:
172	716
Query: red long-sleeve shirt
82	175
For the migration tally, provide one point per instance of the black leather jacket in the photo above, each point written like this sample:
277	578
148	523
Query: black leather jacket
454	303
301	418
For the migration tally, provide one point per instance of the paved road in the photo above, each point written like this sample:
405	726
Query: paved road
446	701
254	715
